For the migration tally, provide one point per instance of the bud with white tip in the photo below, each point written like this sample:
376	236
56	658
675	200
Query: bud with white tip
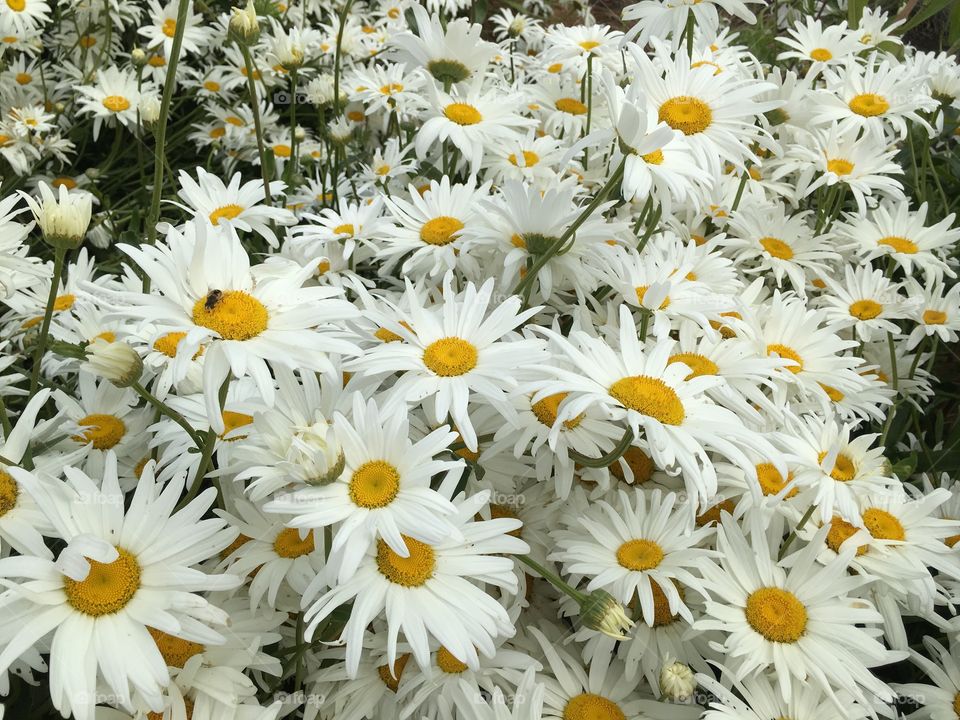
600	611
115	361
149	108
244	26
63	217
677	681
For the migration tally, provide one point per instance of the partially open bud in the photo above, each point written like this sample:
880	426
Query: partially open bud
317	453
63	218
149	110
244	26
677	681
115	361
600	611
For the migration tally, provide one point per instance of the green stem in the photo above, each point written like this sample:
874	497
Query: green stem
793	533
165	409
206	456
611	457
59	257
552	578
258	127
338	59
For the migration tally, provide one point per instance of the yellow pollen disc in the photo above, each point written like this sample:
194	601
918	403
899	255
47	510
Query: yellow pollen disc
9	491
412	571
555	68
234	546
88	41
588	706
235	316
639	463
24	78
226	212
141	466
187	706
639	554
934	317
176	651
344	229
448	663
440	230
589	45
698	364
393	13
546	411
776	614
233	420
869	104
641	293
787	353
653	158
832	392
374	484
169	27
771	481
844	469
882	525
841	531
64	302
687	114
108	335
712	514
649	396
950	542
116	103
821	54
382	170
391	88
107	588
234	120
661	606
865	309
211	86
498	510
17	5
391	676
450	356
218	132
777	248
462	114
387	336
63	181
282	150
571	106
899	244
104	431
530	159
157	61
167	344
288	543
839	166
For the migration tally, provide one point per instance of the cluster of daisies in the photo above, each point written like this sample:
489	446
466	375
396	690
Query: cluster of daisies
382	360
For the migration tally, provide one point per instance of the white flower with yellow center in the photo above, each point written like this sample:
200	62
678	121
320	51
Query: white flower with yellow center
454	352
24	16
937	315
350	224
867	300
575	46
940	700
114	98
383	494
430	591
639	385
534	158
203	285
659	18
163	26
233	206
810	42
120	570
794	617
18	269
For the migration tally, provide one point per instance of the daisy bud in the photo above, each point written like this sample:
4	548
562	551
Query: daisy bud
600	611
244	26
115	361
677	681
149	107
318	453
63	218
138	57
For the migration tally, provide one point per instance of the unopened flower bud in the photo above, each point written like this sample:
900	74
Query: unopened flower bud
600	611
138	57
63	218
677	682
149	107
244	26
114	361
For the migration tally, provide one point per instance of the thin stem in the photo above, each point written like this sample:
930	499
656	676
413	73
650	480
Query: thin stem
611	457
165	409
59	256
206	456
255	106
552	578
793	533
338	58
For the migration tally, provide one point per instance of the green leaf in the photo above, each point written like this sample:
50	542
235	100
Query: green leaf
928	12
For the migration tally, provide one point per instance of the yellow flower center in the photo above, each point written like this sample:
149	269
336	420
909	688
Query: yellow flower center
24	78
282	150
344	229
64	302
107	588
653	158
882	525
869	104
462	113
839	166
157	61
865	309
530	159
440	230
661	605
9	491
289	544
698	364
787	353
841	531
17	5
687	114
88	41
63	181
589	45
821	54
448	663
391	676
387	336
571	106
218	132
844	469
450	356
116	103
639	463
412	571
233	420
228	212
391	88
374	484
167	344
771	481
832	392
554	68
546	411
104	431
712	514
649	396
211	86
639	554
235	316
777	248
934	317
899	244
176	651
642	292
169	27
587	706
776	614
